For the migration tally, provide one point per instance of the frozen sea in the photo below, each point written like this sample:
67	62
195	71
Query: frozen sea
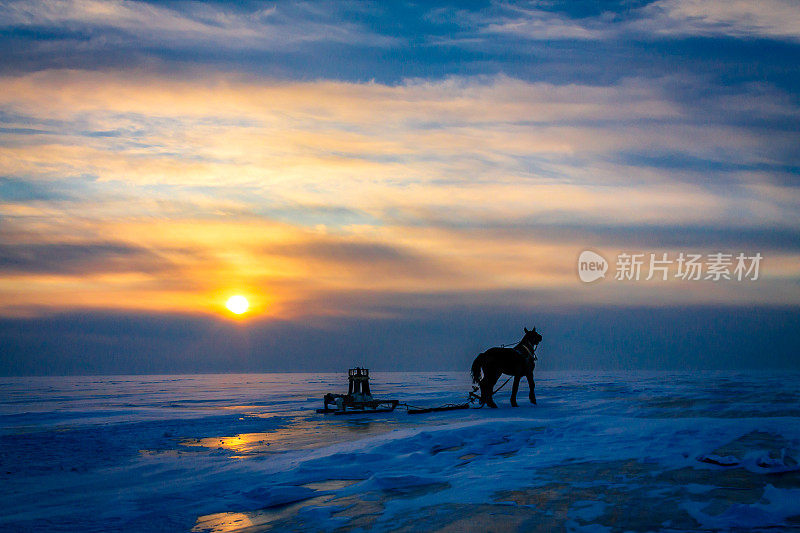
600	452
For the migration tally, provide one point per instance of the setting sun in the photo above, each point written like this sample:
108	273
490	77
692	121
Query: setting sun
237	304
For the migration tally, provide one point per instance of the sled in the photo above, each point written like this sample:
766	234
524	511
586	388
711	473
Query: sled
358	399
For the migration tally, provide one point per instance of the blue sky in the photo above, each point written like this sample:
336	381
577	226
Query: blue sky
353	166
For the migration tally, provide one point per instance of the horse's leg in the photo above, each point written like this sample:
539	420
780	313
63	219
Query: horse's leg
485	396
514	390
486	392
487	384
532	386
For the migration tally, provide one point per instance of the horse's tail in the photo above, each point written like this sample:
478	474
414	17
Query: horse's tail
476	368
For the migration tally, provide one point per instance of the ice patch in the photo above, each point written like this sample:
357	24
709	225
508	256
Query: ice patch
728	460
776	506
587	510
279	495
571	525
392	481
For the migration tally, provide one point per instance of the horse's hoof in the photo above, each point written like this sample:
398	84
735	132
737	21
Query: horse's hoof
514	404
492	405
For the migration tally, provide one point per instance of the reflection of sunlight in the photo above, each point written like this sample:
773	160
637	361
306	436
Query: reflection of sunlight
331	484
223	522
244	443
299	434
226	522
246	408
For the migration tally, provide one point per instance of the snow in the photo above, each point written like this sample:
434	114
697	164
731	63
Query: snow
600	452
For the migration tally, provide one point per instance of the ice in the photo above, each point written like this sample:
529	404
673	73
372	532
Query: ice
398	480
279	495
587	510
600	452
776	506
713	459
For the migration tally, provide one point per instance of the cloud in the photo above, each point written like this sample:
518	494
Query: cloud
770	19
67	94
83	259
538	24
427	338
776	19
361	257
118	22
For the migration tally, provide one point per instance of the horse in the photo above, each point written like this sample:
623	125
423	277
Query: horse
517	361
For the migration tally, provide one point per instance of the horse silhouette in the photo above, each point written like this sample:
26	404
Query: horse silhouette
517	361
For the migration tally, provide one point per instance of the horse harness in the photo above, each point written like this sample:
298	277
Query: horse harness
524	349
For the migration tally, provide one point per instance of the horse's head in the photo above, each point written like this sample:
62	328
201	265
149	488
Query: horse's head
532	336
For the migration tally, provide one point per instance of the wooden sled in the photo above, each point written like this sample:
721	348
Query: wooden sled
358	399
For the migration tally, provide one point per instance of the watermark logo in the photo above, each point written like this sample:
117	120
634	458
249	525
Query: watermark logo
591	266
716	266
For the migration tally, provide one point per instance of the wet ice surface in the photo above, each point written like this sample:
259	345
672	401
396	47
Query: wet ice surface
601	452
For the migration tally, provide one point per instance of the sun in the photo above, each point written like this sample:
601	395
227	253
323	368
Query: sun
237	304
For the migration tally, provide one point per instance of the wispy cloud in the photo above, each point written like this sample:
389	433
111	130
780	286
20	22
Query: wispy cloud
769	19
531	22
78	259
268	26
776	19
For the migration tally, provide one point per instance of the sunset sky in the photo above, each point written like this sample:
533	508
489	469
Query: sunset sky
393	184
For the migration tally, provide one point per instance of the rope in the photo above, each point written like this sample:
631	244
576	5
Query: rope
446	406
408	406
501	386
